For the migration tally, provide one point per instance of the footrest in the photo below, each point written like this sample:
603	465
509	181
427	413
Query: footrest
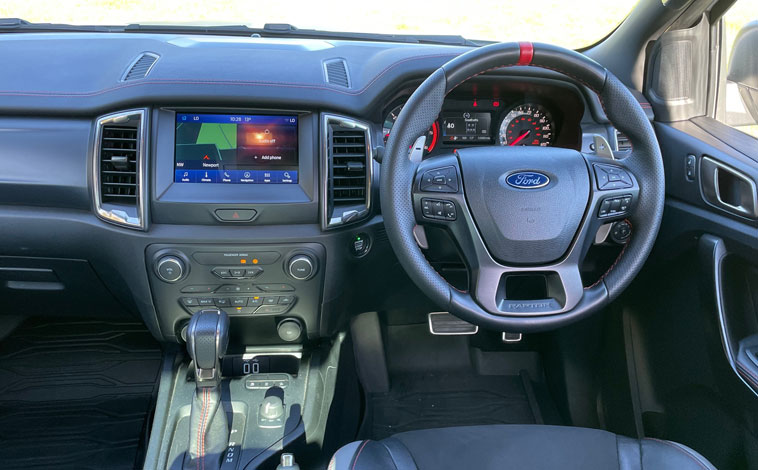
443	323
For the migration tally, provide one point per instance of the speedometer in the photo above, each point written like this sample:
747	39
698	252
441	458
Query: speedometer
432	135
527	124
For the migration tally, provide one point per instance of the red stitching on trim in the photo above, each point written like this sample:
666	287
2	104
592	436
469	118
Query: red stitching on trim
750	376
203	417
161	81
618	258
359	453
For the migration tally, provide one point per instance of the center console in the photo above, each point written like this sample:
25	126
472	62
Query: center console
246	170
271	292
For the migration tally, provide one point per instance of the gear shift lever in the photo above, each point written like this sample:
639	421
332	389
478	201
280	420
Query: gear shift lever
207	339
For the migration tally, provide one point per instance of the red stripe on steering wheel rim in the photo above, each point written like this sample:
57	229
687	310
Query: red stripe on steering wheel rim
526	53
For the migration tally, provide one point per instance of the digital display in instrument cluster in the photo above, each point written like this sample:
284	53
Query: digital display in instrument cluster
465	126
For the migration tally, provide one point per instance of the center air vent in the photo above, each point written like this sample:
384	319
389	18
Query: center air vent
119	166
347	168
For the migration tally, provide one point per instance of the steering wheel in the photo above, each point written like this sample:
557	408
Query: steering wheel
522	211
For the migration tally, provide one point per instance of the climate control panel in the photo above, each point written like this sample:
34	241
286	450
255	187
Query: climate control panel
267	284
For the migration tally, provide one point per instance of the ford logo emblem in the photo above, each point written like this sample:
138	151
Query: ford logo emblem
527	180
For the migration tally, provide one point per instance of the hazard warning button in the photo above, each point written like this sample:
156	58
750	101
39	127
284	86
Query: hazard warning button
235	215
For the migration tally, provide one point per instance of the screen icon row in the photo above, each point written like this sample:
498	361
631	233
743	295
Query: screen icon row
236	176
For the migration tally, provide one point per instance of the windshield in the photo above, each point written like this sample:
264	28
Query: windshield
568	23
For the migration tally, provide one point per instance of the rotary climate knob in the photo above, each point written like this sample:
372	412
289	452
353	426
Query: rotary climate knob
170	268
301	267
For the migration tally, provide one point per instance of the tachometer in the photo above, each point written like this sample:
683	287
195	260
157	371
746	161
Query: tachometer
432	135
527	124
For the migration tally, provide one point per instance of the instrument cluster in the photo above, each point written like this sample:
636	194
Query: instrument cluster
531	115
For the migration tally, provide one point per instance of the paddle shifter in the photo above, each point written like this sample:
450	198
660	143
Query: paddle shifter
207	339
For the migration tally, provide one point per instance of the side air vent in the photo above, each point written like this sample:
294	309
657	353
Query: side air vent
140	67
119	167
347	170
336	72
622	142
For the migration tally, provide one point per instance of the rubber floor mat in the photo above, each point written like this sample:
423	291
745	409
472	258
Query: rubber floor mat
75	394
443	400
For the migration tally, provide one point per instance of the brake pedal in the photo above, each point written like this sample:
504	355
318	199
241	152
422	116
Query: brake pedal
445	324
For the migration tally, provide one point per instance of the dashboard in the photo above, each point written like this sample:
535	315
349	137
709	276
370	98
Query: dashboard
231	185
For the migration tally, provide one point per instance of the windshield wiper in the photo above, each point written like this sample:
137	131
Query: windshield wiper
288	30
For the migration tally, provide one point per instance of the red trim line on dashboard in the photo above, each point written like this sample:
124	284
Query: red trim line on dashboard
526	53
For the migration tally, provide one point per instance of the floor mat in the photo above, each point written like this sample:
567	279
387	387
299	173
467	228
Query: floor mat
75	394
436	400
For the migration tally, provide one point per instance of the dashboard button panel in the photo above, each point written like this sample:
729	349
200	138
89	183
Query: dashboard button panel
615	206
440	180
438	209
611	177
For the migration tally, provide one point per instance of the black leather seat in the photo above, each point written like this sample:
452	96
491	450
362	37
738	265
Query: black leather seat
530	447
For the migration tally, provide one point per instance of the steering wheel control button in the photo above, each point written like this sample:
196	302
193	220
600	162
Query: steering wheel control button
611	177
235	215
301	267
438	209
440	180
621	232
170	268
615	206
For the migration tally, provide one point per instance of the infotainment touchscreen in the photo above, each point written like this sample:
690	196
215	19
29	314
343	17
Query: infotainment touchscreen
236	149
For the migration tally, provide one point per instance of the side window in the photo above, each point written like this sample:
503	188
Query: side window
737	104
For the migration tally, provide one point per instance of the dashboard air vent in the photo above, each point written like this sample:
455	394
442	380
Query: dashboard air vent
336	72
119	166
622	142
347	158
141	66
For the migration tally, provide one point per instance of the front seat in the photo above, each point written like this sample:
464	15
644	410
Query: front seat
530	447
